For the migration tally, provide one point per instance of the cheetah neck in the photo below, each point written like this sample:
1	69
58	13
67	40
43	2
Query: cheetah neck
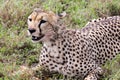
52	48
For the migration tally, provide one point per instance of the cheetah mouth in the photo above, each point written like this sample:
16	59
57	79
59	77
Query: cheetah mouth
36	38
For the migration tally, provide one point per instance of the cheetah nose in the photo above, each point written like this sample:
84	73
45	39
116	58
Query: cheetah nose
31	30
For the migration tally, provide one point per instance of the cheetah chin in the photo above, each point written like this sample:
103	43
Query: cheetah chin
35	38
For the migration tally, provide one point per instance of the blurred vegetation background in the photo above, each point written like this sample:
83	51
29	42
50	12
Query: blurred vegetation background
16	48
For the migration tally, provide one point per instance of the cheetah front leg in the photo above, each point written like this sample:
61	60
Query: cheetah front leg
95	74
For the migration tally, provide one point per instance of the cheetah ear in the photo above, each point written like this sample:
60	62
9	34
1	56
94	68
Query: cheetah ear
60	24
56	17
55	21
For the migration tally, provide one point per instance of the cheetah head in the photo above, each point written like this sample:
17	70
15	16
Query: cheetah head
43	26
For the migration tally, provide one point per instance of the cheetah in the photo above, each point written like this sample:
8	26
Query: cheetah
78	53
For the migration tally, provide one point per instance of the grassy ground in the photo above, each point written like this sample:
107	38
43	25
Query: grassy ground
16	49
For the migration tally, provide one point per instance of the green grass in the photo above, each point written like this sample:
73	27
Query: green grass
16	48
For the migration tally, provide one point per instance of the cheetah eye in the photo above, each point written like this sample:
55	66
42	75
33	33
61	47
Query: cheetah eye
30	19
42	21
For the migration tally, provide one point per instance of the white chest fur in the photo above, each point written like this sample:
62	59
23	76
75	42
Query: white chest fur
52	50
53	53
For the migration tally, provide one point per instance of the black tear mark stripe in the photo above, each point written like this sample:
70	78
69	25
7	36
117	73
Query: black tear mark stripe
42	21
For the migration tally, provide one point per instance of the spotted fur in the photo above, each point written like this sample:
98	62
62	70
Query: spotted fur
76	53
